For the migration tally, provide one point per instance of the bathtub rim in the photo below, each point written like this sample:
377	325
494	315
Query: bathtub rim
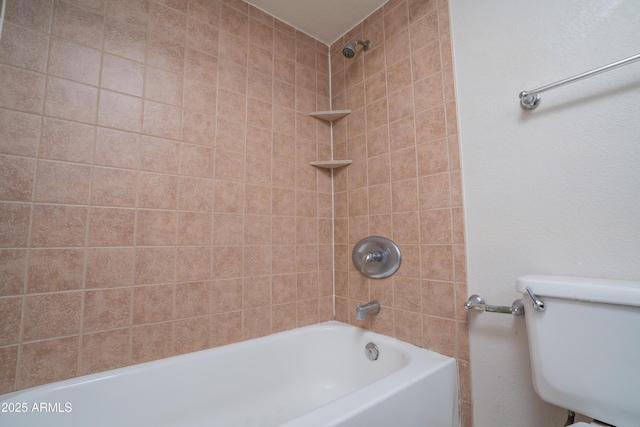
421	363
196	355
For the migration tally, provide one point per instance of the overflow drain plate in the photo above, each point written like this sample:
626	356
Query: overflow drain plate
372	351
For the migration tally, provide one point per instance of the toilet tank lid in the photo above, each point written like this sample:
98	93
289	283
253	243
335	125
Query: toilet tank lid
608	291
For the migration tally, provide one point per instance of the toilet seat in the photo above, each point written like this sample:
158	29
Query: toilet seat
593	423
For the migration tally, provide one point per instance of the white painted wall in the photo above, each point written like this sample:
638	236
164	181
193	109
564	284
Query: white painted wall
552	191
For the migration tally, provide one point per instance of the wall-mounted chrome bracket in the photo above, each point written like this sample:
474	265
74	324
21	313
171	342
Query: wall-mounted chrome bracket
476	302
529	101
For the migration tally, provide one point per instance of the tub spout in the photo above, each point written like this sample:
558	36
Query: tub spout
370	308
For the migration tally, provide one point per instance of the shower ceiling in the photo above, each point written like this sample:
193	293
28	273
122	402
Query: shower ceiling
324	20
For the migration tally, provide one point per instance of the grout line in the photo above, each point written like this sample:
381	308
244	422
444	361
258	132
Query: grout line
333	196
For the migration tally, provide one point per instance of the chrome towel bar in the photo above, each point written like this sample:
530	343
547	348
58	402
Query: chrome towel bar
476	302
530	99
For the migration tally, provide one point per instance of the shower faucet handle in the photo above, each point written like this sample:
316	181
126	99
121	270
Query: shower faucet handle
370	257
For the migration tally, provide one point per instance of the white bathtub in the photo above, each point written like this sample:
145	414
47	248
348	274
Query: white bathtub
318	375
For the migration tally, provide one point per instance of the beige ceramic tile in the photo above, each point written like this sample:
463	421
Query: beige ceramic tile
57	225
35	15
152	303
11	311
227	262
257	230
159	155
113	187
226	328
157	191
67	141
23	48
166	54
48	361
257	261
19	133
256	292
124	40
13	264
62	183
226	295
116	148
194	228
234	22
22	90
227	228
120	111
105	350
191	334
193	299
201	67
155	228
122	75
162	120
163	86
196	160
53	270
196	194
435	226
77	24
167	22
17	176
109	267
206	11
74	61
435	191
154	265
151	342
52	315
8	367
193	263
437	262
111	227
230	135
202	37
198	128
440	335
256	323
106	309
134	12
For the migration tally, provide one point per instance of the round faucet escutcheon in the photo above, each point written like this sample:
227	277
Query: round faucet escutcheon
376	257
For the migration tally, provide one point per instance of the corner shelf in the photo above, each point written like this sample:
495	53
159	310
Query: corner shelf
331	164
330	116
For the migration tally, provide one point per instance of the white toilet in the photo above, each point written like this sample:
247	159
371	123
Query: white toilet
584	342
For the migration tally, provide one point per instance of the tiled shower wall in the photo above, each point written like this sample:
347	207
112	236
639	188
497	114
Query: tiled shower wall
155	192
156	196
404	182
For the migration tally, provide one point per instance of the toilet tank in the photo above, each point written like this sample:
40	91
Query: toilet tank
585	345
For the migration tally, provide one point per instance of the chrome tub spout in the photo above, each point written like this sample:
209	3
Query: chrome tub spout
370	308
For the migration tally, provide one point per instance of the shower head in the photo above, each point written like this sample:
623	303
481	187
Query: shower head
349	50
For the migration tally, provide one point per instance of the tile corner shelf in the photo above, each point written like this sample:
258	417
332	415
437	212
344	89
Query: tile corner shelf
331	164
331	115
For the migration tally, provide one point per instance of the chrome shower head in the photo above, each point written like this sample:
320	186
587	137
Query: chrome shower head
349	50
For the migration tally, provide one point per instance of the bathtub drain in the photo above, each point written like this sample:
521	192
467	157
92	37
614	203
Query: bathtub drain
372	351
